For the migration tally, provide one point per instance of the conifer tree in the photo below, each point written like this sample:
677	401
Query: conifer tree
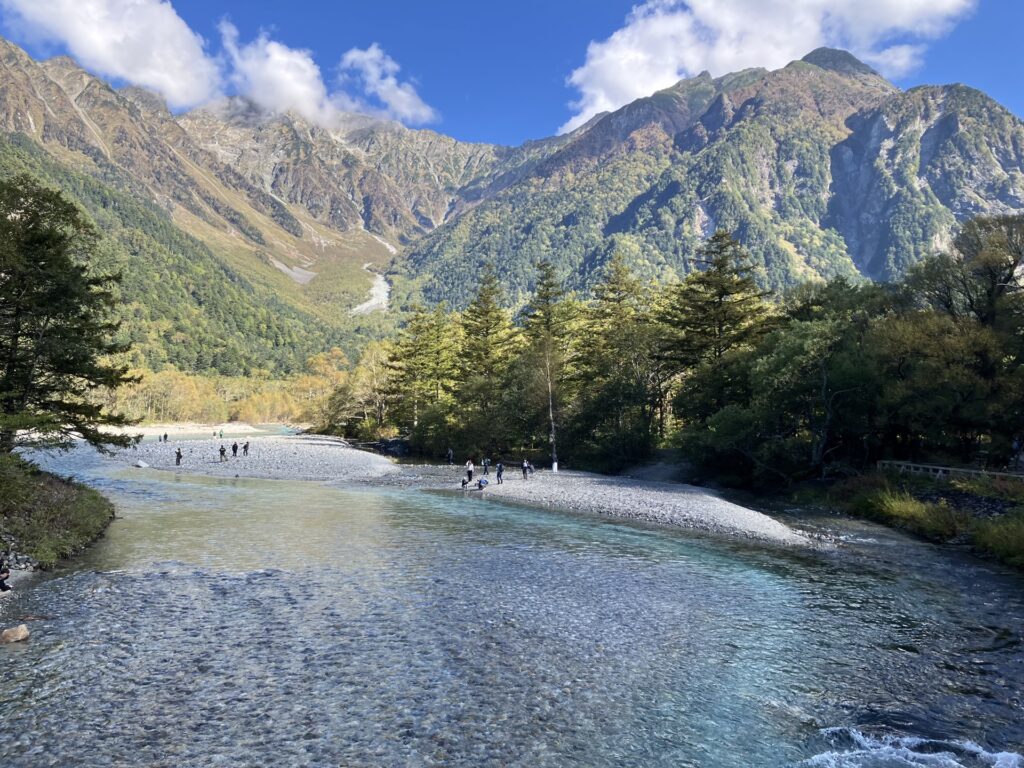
56	323
423	362
715	309
622	381
486	351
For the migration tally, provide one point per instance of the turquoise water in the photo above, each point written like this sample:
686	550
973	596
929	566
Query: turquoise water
243	622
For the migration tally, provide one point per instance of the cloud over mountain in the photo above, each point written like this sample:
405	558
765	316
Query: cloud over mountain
146	43
664	41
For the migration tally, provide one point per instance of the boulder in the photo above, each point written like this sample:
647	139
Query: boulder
15	634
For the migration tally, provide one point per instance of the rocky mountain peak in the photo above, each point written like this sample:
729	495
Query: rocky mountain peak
837	60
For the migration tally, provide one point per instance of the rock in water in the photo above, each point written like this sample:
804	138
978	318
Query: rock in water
15	634
141	464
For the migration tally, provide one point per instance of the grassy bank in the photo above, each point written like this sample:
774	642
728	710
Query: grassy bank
987	513
48	517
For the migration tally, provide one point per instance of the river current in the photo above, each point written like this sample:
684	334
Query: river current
245	623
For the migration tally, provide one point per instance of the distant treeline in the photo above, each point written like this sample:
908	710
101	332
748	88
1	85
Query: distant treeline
754	389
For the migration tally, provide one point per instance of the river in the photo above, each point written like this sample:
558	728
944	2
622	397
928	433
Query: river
247	622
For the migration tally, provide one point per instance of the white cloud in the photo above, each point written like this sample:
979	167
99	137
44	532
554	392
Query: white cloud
279	78
141	41
376	73
276	77
145	42
664	41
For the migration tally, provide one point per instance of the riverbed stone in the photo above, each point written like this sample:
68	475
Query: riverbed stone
15	634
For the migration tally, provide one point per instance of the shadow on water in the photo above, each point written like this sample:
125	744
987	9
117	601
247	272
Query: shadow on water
236	621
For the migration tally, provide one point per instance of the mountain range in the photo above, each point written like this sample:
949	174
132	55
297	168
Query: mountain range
247	239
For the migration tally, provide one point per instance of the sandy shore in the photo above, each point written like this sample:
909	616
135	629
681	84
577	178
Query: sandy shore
308	457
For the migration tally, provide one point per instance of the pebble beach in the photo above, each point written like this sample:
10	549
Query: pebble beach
326	459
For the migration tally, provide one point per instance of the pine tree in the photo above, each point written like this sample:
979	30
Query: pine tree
622	381
713	310
423	362
56	323
486	351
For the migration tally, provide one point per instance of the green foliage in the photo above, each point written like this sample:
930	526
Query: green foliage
621	382
56	322
50	518
1003	538
180	304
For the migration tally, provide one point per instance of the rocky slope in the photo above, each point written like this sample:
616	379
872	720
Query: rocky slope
822	168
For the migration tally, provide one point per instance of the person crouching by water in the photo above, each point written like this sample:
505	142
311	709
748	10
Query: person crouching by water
5	574
177	457
499	470
224	454
469	470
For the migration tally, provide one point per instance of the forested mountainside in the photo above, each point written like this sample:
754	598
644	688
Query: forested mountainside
821	168
247	238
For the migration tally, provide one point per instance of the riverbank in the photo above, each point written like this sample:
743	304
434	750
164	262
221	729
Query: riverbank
309	457
45	518
985	513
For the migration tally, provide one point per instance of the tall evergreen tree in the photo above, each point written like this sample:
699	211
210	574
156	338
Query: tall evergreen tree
622	382
56	323
485	354
715	309
423	362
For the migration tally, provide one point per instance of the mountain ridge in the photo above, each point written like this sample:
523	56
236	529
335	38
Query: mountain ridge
822	168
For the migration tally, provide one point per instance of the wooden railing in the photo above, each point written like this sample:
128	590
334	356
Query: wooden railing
942	473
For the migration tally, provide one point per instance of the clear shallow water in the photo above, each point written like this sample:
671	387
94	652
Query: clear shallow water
240	622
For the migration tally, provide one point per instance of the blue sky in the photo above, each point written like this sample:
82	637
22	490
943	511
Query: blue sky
499	71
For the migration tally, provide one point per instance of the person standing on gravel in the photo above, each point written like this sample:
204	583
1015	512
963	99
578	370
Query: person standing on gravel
487	465
469	470
224	454
234	450
451	456
177	457
526	467
499	470
245	448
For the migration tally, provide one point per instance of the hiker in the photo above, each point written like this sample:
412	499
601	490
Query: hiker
245	448
234	450
469	470
5	574
499	470
451	456
224	455
177	457
165	438
526	467
487	463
